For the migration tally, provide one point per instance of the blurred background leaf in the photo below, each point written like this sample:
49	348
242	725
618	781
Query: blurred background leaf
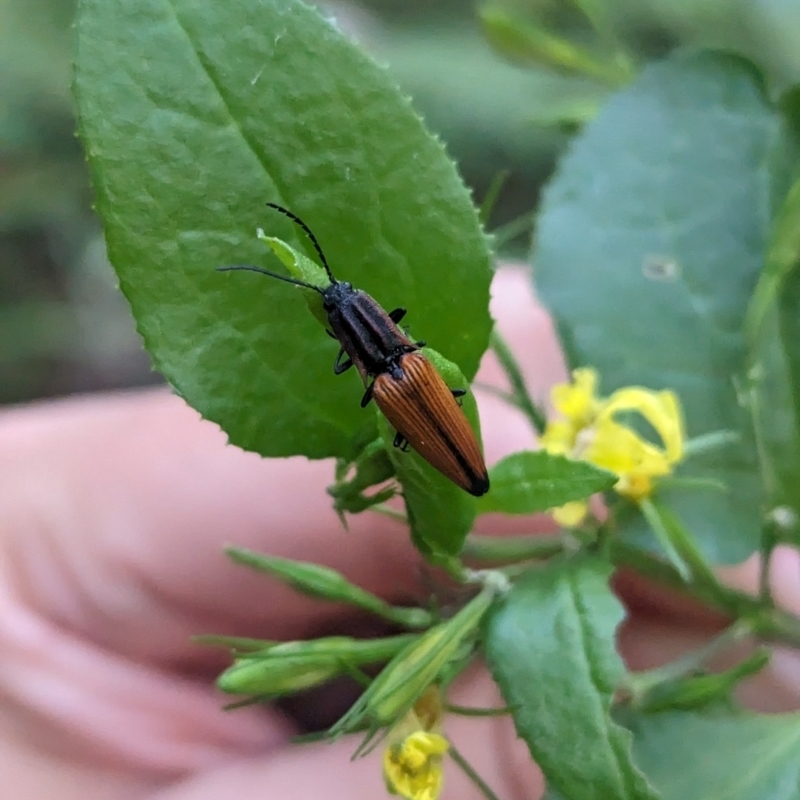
650	242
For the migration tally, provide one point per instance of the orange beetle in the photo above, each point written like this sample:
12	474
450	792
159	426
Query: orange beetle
407	388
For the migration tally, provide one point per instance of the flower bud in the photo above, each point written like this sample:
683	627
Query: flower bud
415	668
327	584
291	667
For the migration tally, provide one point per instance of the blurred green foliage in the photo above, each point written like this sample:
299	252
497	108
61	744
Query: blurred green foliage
63	325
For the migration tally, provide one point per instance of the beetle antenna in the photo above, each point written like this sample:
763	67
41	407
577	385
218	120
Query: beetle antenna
263	271
307	230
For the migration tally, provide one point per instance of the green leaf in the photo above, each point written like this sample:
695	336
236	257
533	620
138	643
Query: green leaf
193	114
439	512
649	245
743	756
550	647
527	482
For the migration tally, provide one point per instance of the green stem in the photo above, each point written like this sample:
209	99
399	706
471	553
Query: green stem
504	234
642	682
769	541
514	374
768	623
464	711
492	195
390	512
467	769
661	532
597	15
501	394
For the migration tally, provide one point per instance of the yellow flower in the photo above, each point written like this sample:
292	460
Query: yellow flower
413	767
620	449
578	404
412	761
589	430
570	515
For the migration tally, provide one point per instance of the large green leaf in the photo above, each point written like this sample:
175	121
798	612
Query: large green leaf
550	647
527	482
193	114
649	245
690	756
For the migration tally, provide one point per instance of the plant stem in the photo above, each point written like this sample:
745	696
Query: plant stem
464	711
502	394
390	512
659	528
641	682
467	769
767	623
508	232
493	193
769	541
514	374
770	624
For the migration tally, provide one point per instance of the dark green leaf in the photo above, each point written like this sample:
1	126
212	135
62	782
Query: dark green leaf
527	482
738	757
550	647
193	114
649	246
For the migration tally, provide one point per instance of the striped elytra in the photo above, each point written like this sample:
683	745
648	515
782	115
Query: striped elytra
415	399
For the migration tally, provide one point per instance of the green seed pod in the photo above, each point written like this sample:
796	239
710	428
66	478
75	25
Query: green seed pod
291	667
328	584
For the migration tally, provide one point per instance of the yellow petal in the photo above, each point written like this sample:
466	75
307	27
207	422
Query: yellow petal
570	514
661	409
413	768
577	401
558	438
619	449
635	486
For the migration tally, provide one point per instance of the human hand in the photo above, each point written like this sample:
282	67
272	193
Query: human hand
113	513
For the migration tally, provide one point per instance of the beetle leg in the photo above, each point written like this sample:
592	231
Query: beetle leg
367	396
340	366
458	394
400	442
396	315
330	333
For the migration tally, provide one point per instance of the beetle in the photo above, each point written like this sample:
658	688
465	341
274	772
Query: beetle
404	384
